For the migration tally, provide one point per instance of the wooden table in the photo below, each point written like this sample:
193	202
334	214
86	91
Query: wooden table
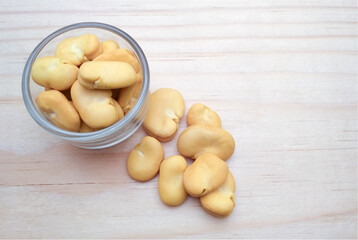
281	74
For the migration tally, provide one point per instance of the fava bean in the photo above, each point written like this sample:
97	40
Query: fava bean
122	55
55	106
199	139
144	160
109	46
221	201
165	111
202	115
170	183
54	73
207	173
84	128
96	107
78	50
106	75
128	96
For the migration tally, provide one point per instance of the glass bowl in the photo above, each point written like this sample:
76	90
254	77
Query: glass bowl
106	137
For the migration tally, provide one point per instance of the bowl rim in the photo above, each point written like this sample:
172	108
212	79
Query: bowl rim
41	120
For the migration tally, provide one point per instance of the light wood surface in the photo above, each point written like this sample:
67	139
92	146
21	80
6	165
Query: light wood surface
281	74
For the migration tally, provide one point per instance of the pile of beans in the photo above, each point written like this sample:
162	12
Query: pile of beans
208	177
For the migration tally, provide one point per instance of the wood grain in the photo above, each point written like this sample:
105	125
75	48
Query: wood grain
281	74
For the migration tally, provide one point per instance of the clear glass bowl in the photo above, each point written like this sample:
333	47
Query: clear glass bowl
111	135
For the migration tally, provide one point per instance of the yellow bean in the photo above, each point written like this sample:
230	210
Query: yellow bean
198	139
55	106
202	115
78	50
109	46
122	55
106	75
84	128
96	107
207	173
170	183
165	111
144	160
128	96
54	73
221	201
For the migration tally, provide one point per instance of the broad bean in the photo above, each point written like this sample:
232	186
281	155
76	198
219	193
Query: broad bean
221	201
165	111
109	46
54	73
203	115
106	75
122	55
199	139
207	173
170	183
78	50
96	107
144	160
55	106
